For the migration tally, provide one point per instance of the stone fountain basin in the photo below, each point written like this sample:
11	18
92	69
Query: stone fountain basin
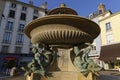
62	29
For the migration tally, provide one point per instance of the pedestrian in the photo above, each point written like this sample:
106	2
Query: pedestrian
13	71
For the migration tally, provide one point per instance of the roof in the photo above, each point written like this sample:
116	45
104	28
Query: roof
111	15
26	4
110	52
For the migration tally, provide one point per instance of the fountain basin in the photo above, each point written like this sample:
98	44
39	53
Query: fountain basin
62	29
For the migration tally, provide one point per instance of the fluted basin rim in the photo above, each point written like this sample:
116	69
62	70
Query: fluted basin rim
66	9
82	23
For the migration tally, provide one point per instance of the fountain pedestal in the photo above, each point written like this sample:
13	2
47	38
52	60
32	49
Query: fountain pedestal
62	69
63	76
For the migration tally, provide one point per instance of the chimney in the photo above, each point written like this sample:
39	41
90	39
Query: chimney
31	2
101	8
44	6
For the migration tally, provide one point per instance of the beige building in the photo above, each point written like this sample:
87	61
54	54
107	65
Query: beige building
108	43
110	28
110	31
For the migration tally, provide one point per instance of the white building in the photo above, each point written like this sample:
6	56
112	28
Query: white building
97	42
14	17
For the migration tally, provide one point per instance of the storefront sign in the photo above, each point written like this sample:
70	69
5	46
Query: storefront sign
10	58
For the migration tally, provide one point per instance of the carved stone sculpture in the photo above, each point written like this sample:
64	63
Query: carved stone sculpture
40	61
83	62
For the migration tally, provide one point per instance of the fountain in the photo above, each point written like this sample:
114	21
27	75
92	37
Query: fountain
65	39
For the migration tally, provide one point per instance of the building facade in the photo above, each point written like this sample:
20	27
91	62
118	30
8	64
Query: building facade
95	53
14	15
110	31
108	43
110	28
2	3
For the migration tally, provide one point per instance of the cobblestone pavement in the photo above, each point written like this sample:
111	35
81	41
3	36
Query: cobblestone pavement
104	75
110	72
108	77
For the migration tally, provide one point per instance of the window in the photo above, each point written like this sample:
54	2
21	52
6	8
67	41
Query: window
35	17
100	11
18	49
35	11
5	49
19	39
23	16
108	26
7	37
30	51
21	28
12	14
24	8
9	26
110	39
93	47
13	5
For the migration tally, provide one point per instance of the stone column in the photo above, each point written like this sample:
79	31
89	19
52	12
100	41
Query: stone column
62	68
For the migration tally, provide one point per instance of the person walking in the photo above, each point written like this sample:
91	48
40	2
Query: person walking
13	71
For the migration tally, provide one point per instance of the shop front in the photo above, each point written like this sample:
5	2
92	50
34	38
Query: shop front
9	60
110	55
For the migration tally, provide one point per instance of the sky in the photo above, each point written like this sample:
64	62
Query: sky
82	7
